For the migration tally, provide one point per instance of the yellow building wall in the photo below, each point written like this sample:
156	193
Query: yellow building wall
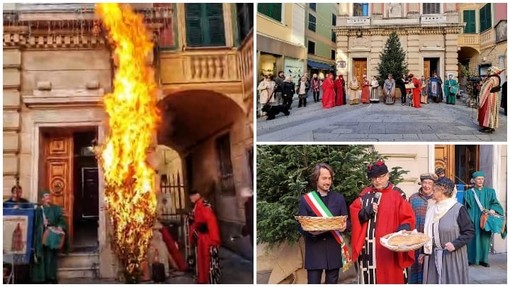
274	29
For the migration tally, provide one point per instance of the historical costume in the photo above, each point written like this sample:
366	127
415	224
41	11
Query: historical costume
401	88
435	90
316	88
450	89
278	93
339	88
448	225
424	86
328	92
377	264
324	251
489	101
205	236
374	92
302	91
416	91
478	248
354	91
44	265
365	90
389	90
419	202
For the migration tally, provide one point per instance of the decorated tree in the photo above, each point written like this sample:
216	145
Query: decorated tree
393	60
282	177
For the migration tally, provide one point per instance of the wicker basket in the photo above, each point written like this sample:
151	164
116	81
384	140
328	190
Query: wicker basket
422	238
312	223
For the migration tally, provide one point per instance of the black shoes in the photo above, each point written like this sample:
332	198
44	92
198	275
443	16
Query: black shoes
486	130
485	264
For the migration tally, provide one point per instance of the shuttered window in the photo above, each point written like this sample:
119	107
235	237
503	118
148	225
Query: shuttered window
225	165
485	18
272	10
205	25
312	22
244	19
469	19
431	8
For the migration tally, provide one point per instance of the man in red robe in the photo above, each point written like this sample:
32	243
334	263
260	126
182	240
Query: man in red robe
380	209
205	236
339	88
416	91
328	92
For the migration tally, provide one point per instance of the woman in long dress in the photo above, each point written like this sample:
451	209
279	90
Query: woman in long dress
448	225
365	90
374	94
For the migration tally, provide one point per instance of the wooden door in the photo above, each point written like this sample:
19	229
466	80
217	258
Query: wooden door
445	158
426	68
360	69
57	173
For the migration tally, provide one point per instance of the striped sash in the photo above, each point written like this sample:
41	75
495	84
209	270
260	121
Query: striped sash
321	210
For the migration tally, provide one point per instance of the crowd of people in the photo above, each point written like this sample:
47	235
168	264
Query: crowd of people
276	93
453	228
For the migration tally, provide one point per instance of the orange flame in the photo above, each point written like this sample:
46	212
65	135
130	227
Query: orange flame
133	116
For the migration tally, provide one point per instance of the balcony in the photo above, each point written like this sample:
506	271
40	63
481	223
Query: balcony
469	40
487	38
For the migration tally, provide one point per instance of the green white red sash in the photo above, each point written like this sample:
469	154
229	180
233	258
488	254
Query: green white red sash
321	210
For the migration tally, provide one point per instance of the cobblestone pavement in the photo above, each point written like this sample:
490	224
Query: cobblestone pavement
378	123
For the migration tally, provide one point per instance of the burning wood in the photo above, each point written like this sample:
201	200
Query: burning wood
133	116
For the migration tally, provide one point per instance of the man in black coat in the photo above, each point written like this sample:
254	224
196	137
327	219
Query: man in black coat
322	250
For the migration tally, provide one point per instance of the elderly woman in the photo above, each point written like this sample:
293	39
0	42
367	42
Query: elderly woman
448	225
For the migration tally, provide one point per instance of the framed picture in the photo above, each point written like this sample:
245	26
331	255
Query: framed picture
18	233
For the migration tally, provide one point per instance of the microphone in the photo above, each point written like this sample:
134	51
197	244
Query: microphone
377	197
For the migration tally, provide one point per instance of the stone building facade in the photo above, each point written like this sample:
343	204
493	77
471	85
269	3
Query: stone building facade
58	66
428	33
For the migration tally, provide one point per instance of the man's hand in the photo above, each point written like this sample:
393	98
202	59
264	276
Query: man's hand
316	232
492	211
375	206
421	257
342	229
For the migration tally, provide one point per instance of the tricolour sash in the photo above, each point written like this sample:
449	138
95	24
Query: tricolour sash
321	210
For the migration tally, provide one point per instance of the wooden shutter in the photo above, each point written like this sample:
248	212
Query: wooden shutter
276	11
193	25
469	19
216	28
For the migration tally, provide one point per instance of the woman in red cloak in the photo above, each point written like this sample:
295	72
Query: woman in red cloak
416	91
339	88
365	90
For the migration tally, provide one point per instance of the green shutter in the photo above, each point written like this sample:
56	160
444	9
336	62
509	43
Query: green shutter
469	19
204	25
277	11
485	18
193	25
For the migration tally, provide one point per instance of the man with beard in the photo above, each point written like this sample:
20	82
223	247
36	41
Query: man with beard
380	209
325	251
419	202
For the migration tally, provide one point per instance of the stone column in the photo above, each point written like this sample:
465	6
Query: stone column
451	61
413	53
12	119
342	53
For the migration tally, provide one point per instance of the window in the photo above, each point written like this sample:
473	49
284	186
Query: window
313	6
333	36
485	18
469	19
333	20
244	19
431	8
311	47
204	25
360	9
333	54
225	165
272	10
311	22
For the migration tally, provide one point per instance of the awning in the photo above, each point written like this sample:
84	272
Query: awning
319	65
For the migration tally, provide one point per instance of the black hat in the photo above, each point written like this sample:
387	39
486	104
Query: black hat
193	191
376	169
439	170
446	183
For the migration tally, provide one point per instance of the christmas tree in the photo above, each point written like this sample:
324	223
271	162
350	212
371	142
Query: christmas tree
282	177
393	60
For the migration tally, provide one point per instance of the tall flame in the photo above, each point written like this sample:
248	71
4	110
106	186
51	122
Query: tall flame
133	116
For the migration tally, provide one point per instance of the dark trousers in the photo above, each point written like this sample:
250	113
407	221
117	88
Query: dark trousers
287	100
314	276
316	96
50	264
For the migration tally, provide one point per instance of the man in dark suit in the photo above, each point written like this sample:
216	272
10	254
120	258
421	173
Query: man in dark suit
324	250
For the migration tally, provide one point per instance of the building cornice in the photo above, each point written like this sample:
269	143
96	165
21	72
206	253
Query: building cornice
353	31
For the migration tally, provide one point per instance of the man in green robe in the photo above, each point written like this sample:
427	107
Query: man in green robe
44	261
478	247
450	89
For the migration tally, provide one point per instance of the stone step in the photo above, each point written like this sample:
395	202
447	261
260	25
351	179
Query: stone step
76	273
77	260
